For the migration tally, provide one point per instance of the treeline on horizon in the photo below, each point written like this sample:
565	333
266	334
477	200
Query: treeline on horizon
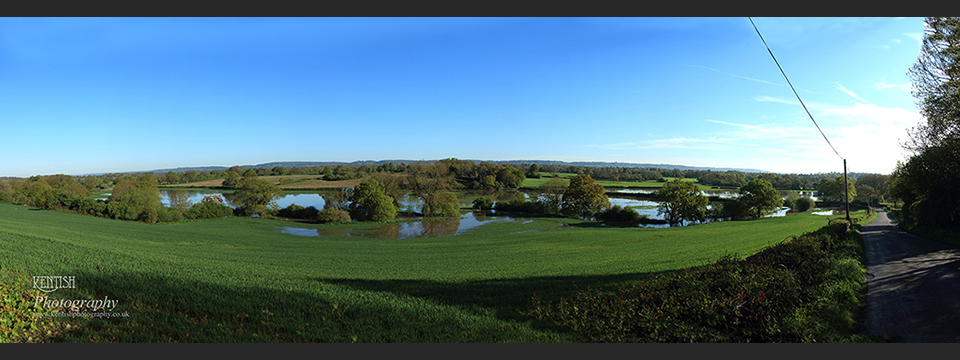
464	168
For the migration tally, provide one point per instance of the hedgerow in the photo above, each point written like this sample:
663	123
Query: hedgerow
807	289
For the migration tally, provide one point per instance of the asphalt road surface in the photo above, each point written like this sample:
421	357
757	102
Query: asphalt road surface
913	288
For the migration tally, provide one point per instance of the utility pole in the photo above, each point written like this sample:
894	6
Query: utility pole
846	190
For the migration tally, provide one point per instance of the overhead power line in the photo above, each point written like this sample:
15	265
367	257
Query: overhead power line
794	90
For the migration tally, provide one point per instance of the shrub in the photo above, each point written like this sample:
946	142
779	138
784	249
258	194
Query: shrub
331	215
790	202
209	210
521	205
119	210
619	214
310	212
149	215
805	203
291	211
165	214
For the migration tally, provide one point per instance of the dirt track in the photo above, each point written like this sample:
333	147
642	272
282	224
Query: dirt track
913	285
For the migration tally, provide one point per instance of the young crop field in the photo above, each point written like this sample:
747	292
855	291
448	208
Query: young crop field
244	280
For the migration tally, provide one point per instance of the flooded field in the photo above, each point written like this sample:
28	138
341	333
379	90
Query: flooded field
411	230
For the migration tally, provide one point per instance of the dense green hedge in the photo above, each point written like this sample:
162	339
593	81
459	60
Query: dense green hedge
807	289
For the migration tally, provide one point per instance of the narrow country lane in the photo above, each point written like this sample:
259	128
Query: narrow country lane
913	285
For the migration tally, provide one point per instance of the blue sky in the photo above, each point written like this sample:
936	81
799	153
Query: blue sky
90	95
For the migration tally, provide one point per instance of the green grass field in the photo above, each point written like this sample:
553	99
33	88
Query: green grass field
242	280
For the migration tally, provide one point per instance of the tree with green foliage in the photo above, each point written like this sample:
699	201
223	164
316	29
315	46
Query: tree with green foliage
551	194
936	84
927	182
584	197
171	178
443	204
759	197
681	201
369	203
533	171
392	185
232	180
428	180
832	189
38	193
874	185
257	196
190	176
136	199
510	177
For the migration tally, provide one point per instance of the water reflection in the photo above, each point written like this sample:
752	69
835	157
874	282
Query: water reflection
408	202
195	196
632	191
408	230
642	207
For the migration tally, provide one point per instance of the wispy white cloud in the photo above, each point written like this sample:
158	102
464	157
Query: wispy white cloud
752	79
881	47
712	143
896	41
916	36
775	99
762	132
866	134
881	85
737	76
851	93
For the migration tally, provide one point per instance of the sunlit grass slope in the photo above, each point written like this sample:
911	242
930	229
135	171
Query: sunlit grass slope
241	279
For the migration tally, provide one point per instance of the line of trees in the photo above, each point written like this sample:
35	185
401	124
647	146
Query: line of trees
928	183
681	201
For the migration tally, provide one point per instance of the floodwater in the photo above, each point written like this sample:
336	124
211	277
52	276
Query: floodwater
642	207
408	202
409	230
779	213
195	196
723	194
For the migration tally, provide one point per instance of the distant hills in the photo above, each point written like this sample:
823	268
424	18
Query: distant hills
527	162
